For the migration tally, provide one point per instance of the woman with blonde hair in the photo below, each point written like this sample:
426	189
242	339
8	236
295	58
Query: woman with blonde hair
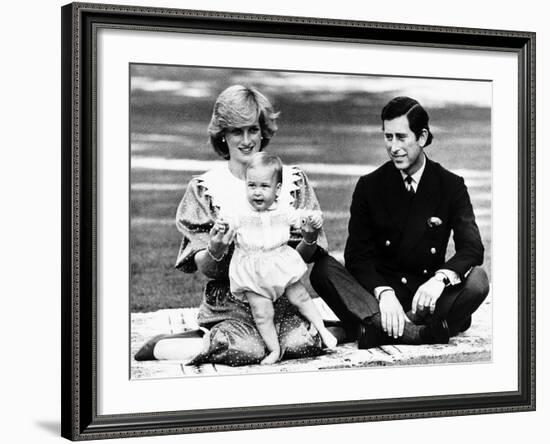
242	124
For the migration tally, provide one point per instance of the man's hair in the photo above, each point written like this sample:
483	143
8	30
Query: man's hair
239	106
264	159
416	115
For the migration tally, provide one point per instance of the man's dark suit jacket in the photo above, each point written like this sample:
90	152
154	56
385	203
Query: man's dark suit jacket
391	242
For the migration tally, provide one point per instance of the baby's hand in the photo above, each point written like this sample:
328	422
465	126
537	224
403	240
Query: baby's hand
313	220
220	227
316	220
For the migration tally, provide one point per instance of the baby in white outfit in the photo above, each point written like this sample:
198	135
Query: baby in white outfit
263	267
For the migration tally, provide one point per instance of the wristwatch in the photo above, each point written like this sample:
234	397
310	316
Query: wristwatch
442	277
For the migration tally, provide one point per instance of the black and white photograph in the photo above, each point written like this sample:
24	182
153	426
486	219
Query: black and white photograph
293	221
275	222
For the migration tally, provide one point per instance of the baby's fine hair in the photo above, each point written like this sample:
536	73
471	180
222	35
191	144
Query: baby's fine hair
265	159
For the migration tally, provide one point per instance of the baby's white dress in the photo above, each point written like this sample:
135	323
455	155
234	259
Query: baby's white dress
262	262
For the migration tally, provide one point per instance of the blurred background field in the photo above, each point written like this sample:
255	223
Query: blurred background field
329	125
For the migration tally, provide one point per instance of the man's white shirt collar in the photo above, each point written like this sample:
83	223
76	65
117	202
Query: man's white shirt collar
415	177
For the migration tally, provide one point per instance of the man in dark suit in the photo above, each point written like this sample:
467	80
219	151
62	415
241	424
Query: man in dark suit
397	279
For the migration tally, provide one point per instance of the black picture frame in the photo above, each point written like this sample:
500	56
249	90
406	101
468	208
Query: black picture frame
79	210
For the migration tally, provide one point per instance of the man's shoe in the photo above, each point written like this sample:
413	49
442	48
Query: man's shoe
437	332
339	333
419	318
368	336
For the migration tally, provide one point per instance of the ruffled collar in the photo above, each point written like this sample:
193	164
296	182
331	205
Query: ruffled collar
227	192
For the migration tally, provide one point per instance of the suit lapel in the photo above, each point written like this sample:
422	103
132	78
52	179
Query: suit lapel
422	207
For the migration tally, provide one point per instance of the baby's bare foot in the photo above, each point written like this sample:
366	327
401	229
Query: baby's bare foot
271	358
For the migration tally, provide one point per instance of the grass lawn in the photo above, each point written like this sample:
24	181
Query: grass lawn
315	127
154	240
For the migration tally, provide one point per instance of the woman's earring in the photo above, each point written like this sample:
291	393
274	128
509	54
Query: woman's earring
223	139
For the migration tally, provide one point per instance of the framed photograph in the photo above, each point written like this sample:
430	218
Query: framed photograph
199	295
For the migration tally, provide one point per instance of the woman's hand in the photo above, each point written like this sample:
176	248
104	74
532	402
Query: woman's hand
221	236
207	261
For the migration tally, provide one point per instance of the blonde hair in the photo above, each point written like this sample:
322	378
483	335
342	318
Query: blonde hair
267	160
239	106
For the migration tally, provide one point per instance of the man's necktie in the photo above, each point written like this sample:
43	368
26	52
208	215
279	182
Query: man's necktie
410	188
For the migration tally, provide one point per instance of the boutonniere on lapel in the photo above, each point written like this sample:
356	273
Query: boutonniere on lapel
434	222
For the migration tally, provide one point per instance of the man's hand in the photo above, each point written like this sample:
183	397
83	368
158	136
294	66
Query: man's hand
427	295
392	315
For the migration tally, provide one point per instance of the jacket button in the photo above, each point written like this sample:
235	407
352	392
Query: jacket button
388	243
404	280
433	250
